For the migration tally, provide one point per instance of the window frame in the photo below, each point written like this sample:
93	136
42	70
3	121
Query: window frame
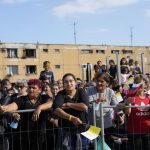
100	51
57	66
12	53
57	50
28	53
10	70
28	71
86	51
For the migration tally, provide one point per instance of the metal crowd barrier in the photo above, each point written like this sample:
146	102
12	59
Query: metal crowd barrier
94	119
102	120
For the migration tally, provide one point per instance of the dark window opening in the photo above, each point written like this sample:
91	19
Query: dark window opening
30	53
127	51
31	69
115	51
100	51
57	66
45	50
86	51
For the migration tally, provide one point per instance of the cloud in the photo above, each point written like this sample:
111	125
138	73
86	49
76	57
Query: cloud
147	12
13	1
89	6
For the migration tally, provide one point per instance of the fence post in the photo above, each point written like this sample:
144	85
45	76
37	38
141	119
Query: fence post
94	123
142	63
107	62
118	67
88	73
83	68
102	125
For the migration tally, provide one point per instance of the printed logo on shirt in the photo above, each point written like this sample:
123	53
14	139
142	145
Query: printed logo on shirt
143	113
143	104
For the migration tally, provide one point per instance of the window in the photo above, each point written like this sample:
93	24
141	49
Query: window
45	50
12	70
31	69
57	50
57	66
127	51
100	51
3	50
115	51
30	53
86	51
12	53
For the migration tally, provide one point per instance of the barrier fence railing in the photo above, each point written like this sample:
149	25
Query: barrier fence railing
94	119
102	120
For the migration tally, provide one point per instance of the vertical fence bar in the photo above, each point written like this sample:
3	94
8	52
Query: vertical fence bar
94	123
118	67
82	67
102	125
142	63
107	62
88	73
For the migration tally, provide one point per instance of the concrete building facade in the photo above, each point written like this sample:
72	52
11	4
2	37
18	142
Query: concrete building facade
24	60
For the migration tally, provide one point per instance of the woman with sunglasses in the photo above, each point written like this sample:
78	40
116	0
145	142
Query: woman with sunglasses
21	85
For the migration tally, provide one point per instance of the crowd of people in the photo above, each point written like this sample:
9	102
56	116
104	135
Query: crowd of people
58	111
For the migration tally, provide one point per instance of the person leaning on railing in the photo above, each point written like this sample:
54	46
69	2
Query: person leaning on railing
138	120
31	124
72	118
101	93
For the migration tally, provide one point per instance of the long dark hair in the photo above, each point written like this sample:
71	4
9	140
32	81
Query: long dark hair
68	74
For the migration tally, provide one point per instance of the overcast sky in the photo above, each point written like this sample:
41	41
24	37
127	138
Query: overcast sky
96	21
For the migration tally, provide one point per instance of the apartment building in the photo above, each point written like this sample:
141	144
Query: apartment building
25	60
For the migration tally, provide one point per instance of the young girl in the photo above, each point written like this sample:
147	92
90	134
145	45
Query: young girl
139	121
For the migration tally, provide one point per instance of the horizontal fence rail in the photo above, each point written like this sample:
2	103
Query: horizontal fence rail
94	120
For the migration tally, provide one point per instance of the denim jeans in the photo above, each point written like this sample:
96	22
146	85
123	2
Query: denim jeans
71	141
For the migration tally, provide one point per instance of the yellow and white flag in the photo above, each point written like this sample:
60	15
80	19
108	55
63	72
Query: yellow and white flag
119	97
92	133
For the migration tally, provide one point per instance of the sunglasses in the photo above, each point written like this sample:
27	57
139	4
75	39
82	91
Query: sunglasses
121	114
20	86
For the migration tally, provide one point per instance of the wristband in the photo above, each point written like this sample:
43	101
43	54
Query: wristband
70	118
